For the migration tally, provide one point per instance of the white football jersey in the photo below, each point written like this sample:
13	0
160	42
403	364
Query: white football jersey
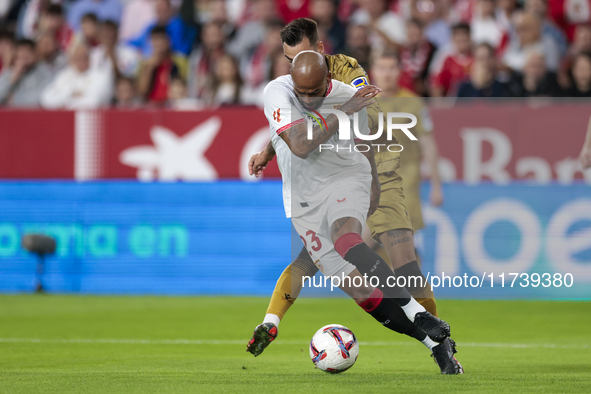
307	182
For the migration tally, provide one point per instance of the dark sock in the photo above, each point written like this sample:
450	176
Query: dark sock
412	272
424	295
352	248
391	315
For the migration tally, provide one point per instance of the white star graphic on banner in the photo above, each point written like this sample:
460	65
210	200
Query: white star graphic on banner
175	157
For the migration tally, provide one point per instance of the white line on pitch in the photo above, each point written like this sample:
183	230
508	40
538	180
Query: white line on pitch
280	342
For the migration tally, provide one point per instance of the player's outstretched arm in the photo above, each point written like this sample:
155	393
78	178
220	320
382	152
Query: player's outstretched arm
296	137
258	162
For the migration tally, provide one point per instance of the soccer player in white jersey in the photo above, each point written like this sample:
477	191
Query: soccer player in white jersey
328	193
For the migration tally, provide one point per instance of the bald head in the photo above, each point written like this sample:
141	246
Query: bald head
310	77
308	64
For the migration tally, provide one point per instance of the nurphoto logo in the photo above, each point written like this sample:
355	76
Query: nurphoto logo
345	130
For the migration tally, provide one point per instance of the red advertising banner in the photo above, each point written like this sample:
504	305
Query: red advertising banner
477	142
36	144
510	141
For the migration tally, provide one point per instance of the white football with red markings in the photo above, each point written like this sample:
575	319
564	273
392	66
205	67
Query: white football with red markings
334	348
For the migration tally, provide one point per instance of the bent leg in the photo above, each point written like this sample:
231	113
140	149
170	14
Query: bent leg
346	236
384	310
375	246
289	285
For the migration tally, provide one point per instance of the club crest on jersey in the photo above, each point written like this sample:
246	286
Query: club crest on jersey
360	82
277	115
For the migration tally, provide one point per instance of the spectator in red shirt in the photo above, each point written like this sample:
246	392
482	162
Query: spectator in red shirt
52	20
157	72
416	56
569	13
453	68
290	9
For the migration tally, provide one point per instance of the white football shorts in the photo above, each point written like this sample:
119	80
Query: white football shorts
347	200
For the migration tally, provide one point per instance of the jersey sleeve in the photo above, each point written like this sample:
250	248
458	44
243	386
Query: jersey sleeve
278	109
356	75
347	70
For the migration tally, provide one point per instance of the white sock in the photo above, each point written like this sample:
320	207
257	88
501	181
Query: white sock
412	308
271	318
429	343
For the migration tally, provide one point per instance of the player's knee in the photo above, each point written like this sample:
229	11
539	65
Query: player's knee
305	255
346	242
303	267
343	226
368	239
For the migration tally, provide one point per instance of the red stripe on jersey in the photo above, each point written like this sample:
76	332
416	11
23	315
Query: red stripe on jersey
329	89
287	126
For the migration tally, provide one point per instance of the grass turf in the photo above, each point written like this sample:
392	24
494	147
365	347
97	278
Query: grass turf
64	344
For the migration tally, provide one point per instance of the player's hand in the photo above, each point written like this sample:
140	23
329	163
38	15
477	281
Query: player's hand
257	163
364	97
585	157
436	196
374	198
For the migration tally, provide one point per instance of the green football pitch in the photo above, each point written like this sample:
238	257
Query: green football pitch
90	344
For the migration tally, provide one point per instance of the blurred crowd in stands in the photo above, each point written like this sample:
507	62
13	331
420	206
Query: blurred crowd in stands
192	54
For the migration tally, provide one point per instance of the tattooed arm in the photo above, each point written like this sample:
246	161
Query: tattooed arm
296	136
297	140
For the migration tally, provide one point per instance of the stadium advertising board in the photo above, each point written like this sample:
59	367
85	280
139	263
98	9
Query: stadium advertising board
172	238
499	143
